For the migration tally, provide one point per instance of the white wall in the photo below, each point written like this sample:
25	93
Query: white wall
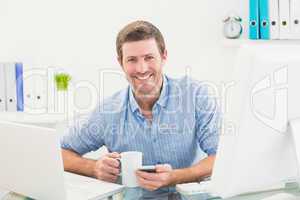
80	35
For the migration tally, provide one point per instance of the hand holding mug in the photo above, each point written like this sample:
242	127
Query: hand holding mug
107	168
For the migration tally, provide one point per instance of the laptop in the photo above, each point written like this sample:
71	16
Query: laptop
31	165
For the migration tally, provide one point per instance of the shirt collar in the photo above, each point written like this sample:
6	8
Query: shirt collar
162	100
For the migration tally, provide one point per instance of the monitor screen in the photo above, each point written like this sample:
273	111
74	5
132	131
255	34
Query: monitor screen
256	150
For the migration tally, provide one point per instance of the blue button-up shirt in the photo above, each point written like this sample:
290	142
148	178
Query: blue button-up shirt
185	119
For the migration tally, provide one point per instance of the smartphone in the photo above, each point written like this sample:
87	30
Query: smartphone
148	168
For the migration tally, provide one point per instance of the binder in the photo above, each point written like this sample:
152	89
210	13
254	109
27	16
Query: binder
51	91
284	15
40	83
2	88
29	89
274	19
11	90
295	19
35	89
19	86
254	19
264	22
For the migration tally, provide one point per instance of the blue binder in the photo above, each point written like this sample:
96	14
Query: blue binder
253	19
19	86
264	19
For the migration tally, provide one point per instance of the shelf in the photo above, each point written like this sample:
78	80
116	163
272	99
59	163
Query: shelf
23	117
236	43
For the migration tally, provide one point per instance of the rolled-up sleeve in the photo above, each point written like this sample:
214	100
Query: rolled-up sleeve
208	121
87	134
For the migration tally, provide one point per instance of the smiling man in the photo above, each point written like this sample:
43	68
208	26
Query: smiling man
169	120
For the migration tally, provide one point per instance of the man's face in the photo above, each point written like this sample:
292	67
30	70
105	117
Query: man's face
142	64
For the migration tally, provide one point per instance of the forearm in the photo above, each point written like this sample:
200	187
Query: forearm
77	164
194	173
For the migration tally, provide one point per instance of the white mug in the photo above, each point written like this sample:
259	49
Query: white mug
130	162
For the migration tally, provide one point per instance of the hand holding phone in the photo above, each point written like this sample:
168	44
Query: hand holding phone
148	168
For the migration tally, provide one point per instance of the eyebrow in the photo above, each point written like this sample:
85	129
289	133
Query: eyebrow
149	54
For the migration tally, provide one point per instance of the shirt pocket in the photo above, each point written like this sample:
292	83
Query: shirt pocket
168	128
175	135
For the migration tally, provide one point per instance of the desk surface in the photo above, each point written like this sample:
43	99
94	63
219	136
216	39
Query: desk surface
285	194
79	187
101	189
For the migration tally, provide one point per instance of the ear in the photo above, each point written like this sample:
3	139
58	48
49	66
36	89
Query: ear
120	61
164	57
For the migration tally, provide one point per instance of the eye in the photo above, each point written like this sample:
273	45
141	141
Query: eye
149	58
131	60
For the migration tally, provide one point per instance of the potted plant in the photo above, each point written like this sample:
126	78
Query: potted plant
62	81
61	96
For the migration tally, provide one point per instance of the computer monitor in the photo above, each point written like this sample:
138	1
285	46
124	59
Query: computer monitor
256	149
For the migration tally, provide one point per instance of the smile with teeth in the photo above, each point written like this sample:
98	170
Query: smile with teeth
144	77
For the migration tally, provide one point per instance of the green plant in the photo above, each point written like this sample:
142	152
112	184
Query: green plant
62	81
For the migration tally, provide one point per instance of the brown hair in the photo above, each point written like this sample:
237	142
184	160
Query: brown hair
136	31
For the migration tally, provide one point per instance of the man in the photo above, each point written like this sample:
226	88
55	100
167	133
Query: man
166	119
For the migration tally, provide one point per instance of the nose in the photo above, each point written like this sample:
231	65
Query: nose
142	67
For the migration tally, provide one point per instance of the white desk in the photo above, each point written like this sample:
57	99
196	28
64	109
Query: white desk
287	194
113	195
104	189
12	196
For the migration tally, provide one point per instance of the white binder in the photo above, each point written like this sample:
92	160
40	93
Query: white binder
11	90
284	15
40	83
35	90
274	19
295	19
2	88
29	89
51	91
